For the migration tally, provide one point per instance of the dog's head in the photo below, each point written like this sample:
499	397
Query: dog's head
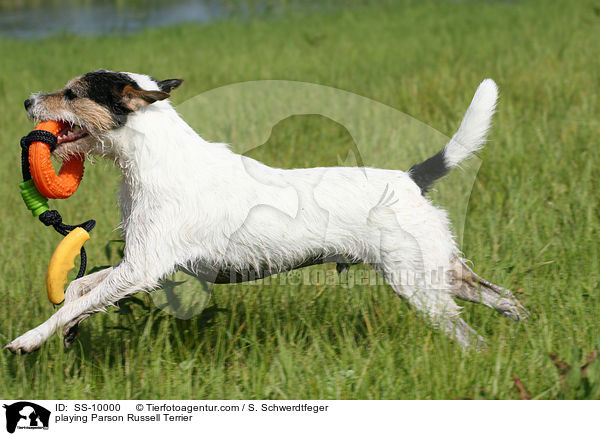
95	104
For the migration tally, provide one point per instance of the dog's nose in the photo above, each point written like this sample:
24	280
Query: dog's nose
28	103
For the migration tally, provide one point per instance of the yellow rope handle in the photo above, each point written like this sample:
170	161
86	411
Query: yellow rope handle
62	261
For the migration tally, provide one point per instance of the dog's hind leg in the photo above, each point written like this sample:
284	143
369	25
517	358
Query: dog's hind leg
468	286
438	308
418	272
430	296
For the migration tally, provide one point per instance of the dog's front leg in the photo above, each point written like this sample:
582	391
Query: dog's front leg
85	284
76	289
120	281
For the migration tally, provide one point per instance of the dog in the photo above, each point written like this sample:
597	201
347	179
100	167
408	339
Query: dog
191	205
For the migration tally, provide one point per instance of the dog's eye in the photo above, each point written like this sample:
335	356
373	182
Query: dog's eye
69	94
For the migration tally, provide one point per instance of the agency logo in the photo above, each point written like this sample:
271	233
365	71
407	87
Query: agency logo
26	415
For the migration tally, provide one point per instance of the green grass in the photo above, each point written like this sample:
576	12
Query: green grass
532	224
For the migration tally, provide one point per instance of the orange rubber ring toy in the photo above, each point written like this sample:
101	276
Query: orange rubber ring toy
48	183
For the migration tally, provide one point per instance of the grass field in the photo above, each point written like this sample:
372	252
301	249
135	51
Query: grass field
532	225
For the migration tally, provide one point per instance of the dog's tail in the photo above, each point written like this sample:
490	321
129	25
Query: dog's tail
470	137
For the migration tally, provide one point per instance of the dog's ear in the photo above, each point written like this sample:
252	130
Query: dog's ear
134	99
169	84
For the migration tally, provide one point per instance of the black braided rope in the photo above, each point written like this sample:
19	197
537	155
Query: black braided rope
34	135
52	217
42	136
25	162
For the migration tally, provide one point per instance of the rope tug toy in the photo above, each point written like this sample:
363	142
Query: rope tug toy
40	182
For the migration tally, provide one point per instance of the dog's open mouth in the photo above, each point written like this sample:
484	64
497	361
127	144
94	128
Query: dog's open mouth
70	133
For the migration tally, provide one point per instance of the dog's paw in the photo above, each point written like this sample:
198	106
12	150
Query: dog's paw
466	337
71	329
512	309
70	334
30	341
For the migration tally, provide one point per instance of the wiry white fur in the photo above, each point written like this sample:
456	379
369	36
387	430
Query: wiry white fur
472	132
188	203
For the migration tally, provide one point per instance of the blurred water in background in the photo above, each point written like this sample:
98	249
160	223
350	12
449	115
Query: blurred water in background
34	19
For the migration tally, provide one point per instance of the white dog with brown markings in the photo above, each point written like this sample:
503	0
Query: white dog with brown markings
193	205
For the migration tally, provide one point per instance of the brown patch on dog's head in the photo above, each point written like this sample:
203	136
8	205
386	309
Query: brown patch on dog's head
98	102
134	99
